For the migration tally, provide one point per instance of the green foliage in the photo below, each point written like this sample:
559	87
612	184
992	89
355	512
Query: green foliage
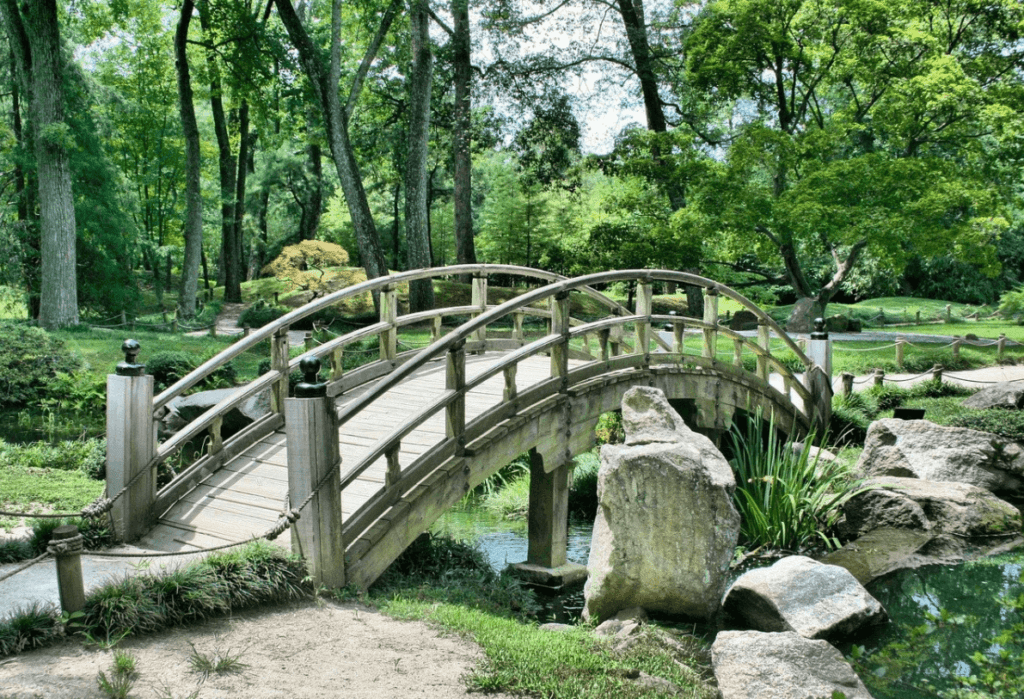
35	489
888	396
30	359
259	314
1005	423
217	662
27	628
85	455
255	574
453	571
14	550
583	490
95	533
79	393
848	426
609	428
1011	303
169	367
123	676
787	499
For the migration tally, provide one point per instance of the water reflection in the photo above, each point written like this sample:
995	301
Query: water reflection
941	617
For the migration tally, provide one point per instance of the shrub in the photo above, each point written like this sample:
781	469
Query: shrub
940	389
86	455
30	358
260	313
609	428
888	396
95	533
31	627
848	427
1011	303
583	491
1005	423
860	401
169	367
786	498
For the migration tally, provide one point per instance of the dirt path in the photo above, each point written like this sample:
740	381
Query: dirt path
295	651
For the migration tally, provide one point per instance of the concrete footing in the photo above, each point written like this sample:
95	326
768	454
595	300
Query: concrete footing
565	575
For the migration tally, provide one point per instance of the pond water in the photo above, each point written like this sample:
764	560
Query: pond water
24	427
504	542
944	621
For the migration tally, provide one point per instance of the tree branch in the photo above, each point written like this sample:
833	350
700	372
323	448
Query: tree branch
371	53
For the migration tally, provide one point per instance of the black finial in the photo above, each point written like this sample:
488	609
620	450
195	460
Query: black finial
129	367
310	387
820	333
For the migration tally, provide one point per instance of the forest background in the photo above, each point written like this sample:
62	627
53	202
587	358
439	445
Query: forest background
802	150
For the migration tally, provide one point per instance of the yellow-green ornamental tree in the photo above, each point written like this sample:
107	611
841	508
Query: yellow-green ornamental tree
836	130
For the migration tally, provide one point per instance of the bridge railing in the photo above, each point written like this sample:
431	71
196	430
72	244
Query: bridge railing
400	479
219	450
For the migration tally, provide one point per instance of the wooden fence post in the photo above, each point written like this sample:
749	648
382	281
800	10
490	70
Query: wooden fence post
711	318
900	342
389	314
313	469
937	373
879	377
847	379
131	439
66	545
1001	347
956	348
949	313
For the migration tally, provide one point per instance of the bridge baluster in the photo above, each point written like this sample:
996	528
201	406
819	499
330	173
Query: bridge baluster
711	319
279	362
602	338
394	471
678	330
517	326
389	314
644	298
510	383
764	341
455	380
216	439
337	363
560	326
435	328
479	299
737	352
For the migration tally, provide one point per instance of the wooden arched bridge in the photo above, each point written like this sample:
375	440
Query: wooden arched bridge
414	430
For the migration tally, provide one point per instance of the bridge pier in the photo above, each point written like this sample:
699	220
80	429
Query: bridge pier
546	563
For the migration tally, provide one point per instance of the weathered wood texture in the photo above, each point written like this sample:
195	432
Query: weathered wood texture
131	435
313	460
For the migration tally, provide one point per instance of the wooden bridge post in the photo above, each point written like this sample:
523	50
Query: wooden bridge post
711	319
455	380
764	341
479	299
678	337
644	304
560	326
313	467
279	362
818	377
131	439
389	314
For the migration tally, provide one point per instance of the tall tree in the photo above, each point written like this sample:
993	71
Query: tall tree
35	38
465	249
417	214
325	77
193	194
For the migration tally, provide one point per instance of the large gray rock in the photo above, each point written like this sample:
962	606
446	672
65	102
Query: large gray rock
756	665
1008	395
922	449
743	320
932	506
666	526
184	409
802	595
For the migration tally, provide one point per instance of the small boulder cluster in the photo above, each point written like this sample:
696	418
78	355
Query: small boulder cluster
663	540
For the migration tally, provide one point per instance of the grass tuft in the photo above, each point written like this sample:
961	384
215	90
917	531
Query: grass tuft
215	663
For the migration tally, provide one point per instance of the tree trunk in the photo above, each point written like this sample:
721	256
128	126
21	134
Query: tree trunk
421	292
313	204
35	35
245	145
325	84
230	255
193	195
465	249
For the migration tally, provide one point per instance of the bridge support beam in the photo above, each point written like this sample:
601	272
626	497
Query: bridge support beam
546	563
313	475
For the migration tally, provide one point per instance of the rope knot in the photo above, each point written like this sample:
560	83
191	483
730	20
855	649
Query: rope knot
286	520
97	508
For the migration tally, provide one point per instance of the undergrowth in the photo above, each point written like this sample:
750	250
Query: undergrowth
257	573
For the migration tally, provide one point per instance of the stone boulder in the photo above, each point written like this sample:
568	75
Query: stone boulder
755	665
922	449
802	595
1007	394
743	320
933	506
184	409
666	526
837	324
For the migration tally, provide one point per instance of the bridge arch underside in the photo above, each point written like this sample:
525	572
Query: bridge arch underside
557	428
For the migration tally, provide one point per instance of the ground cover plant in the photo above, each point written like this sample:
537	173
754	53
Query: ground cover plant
254	574
788	498
450	584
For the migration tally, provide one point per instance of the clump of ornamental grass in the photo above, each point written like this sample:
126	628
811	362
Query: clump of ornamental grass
788	498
